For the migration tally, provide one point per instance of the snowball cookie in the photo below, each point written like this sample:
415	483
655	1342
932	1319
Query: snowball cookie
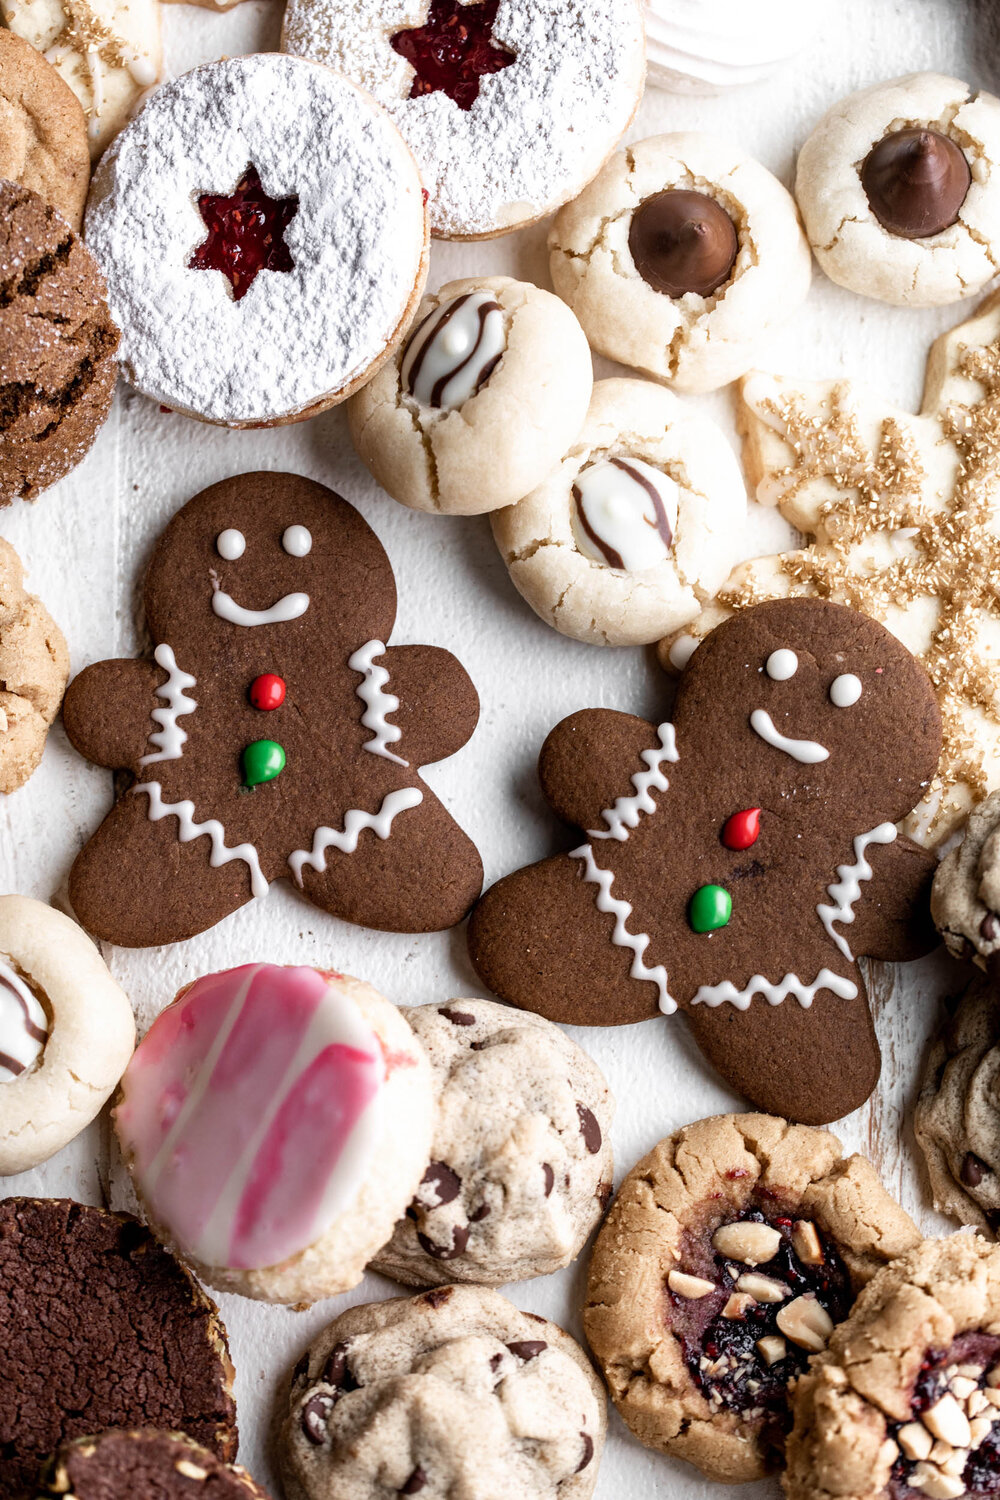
276	1122
899	187
66	1032
521	1167
453	1393
680	255
482	400
638	525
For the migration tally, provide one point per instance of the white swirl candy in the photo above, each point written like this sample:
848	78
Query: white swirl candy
24	1027
624	514
455	350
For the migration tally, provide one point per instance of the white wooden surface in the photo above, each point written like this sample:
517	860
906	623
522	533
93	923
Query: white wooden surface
86	544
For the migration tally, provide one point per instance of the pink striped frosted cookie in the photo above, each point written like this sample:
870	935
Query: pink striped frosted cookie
276	1122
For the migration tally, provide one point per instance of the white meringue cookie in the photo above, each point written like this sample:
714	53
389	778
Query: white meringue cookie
707	46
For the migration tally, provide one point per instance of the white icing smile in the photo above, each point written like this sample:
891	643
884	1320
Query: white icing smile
290	607
807	752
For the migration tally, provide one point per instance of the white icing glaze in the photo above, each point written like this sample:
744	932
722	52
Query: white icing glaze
230	544
847	888
378	703
169	739
624	514
782	664
637	943
808	752
24	1025
297	541
845	690
211	828
627	810
346	839
682	651
454	350
290	607
727	993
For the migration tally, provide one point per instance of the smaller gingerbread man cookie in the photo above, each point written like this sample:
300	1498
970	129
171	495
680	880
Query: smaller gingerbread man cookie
679	257
34	666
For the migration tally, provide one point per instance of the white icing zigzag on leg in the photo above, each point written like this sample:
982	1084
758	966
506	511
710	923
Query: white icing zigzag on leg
627	810
621	910
211	828
346	839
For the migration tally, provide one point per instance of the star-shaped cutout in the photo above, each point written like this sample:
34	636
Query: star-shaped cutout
454	50
245	233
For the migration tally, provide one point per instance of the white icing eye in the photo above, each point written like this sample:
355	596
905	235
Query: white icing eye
845	690
297	541
781	665
230	544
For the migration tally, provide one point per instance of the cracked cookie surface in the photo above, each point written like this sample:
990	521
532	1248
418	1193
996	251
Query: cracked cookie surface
43	134
34	666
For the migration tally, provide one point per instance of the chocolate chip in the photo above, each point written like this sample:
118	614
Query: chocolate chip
589	1129
588	1452
550	1178
481	1213
446	1184
603	1194
302	1368
315	1414
973	1170
457	1017
477	1046
336	1371
438	1296
989	927
415	1483
495	1362
527	1348
535	1317
459	1240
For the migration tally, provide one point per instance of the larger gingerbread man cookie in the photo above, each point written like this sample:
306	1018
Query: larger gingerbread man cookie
274	735
751	861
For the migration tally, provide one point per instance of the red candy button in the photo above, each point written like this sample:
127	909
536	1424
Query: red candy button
268	692
742	829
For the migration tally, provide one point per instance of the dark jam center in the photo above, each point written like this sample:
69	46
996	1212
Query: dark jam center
246	231
453	50
971	1357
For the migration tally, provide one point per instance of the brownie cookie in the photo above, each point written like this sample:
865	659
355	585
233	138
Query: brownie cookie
897	187
729	1254
454	1392
102	1328
57	346
905	1402
480	402
638	525
43	135
276	1122
123	1465
965	897
66	1032
521	1167
34	666
679	257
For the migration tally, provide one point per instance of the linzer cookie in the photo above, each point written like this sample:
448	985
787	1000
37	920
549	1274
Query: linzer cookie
636	526
508	108
481	401
274	735
897	187
276	1122
34	666
117	1464
102	1327
738	860
679	257
729	1254
258	276
43	135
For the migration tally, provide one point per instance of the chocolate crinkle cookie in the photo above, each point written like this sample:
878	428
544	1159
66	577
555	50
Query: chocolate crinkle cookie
730	1254
57	346
100	1327
905	1402
148	1463
965	899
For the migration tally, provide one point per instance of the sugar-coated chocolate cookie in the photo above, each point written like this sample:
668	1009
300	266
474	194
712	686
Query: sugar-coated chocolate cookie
43	134
102	1328
965	896
258	276
738	860
480	402
679	257
905	1401
66	1032
521	1167
638	524
730	1252
123	1465
455	1392
276	1122
34	666
509	106
274	735
897	187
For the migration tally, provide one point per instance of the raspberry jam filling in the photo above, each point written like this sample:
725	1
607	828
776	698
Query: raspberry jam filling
453	50
950	1447
751	1299
246	231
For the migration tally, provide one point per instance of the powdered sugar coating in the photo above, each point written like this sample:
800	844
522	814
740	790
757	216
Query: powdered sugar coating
357	242
513	156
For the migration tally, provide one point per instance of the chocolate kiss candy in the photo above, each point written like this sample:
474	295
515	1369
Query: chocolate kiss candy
916	182
682	242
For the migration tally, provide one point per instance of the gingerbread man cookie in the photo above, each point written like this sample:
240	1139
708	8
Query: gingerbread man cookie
274	735
751	861
901	516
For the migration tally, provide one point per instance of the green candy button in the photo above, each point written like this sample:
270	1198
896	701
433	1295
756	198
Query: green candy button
711	907
262	761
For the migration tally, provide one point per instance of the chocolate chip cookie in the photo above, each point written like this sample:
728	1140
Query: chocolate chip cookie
965	898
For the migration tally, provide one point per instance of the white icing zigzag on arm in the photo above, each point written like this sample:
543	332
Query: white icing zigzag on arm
211	828
621	937
805	994
169	739
627	810
846	890
346	839
378	703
